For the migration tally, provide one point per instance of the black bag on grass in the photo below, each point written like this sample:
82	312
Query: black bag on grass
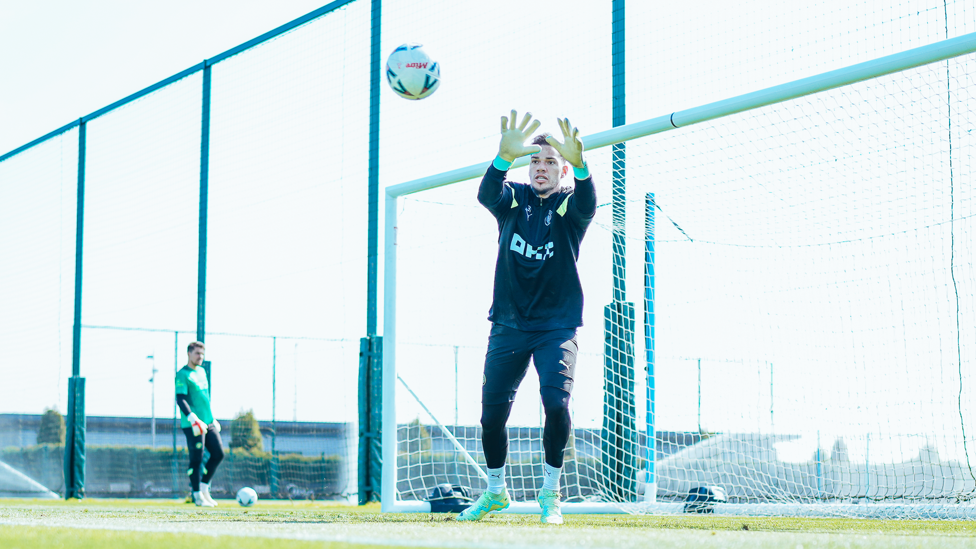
445	498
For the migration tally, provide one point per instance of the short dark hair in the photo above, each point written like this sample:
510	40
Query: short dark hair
194	345
541	140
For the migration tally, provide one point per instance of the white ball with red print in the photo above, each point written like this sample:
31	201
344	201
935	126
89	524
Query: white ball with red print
412	73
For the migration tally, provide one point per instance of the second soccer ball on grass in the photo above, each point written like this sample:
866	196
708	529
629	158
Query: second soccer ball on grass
247	496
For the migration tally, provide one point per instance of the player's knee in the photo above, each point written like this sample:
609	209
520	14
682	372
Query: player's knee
493	417
490	423
217	453
554	401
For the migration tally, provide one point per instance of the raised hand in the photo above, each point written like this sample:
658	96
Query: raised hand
571	149
513	140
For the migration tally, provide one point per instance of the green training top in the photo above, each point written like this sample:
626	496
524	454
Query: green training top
193	384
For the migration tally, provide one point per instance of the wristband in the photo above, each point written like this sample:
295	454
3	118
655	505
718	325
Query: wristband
501	164
581	173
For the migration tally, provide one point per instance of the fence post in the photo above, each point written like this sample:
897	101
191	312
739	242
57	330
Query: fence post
204	195
175	467
74	444
619	453
370	366
370	418
274	417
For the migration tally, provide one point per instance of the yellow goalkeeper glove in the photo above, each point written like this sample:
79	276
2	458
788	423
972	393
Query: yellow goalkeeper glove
571	149
512	144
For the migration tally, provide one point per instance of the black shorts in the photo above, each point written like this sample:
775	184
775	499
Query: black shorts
507	360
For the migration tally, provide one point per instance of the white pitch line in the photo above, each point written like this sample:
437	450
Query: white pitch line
437	535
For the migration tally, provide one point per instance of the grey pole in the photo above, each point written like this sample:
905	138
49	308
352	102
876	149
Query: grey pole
152	381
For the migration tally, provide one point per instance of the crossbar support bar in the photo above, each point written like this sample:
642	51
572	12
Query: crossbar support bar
917	57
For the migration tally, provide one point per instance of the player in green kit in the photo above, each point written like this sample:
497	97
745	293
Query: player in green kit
199	426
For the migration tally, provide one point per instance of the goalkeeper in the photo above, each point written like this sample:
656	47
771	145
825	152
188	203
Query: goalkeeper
198	424
537	303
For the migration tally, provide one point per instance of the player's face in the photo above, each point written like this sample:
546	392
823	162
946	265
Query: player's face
546	169
195	357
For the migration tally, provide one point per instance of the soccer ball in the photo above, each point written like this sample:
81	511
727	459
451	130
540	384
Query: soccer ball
412	73
247	496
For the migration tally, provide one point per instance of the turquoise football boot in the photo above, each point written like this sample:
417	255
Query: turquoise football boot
486	504
549	501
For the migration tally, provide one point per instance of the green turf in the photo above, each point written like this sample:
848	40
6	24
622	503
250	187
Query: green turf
28	537
166	523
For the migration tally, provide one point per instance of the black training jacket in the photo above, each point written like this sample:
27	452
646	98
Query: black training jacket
537	285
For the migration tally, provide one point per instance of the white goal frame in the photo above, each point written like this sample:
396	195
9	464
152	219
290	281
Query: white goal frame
916	57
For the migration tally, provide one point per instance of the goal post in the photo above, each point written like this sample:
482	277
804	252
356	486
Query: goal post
752	460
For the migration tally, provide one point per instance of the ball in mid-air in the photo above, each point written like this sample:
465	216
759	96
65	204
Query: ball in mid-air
412	73
247	496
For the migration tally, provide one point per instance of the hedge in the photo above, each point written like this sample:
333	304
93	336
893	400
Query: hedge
128	471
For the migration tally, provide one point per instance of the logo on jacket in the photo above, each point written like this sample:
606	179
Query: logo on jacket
549	218
519	245
528	211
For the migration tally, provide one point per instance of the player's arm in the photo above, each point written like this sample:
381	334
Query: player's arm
184	404
583	201
511	146
183	401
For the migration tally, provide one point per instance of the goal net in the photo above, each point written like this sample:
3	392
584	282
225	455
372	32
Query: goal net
779	304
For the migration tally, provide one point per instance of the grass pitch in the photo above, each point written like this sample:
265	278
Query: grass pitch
137	524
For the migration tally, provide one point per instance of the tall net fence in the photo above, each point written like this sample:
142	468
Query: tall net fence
824	246
285	274
37	219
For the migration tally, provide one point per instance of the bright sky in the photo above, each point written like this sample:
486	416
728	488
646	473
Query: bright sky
66	59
